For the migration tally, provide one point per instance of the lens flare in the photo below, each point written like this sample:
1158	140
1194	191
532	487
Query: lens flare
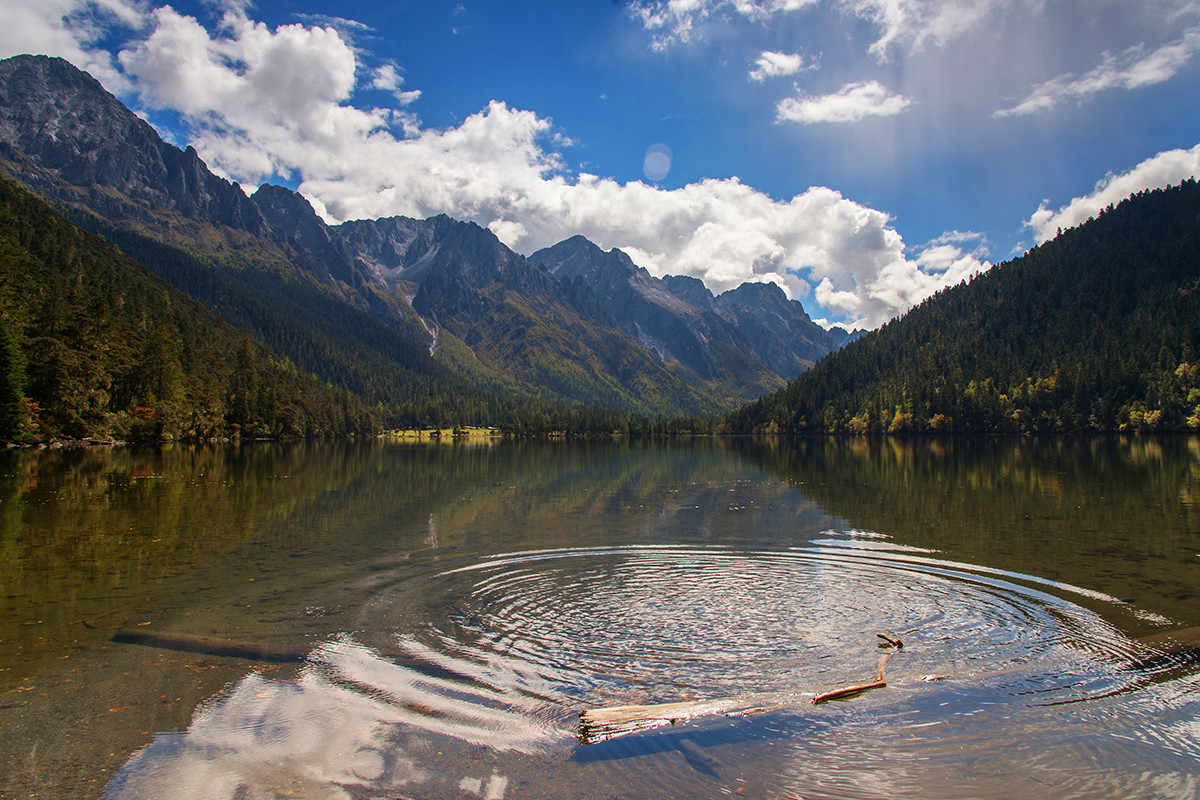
657	162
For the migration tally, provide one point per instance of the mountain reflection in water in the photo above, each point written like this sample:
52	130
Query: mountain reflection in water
372	620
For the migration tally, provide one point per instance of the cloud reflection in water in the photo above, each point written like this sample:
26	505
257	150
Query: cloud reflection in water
350	722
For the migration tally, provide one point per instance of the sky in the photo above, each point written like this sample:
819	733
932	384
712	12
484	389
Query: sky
862	154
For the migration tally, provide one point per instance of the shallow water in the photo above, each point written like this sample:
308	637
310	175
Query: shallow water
374	620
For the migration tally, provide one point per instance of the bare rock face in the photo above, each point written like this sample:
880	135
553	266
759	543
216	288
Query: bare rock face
779	329
678	317
69	138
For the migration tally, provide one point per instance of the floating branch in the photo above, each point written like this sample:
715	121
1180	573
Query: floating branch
851	691
847	692
601	724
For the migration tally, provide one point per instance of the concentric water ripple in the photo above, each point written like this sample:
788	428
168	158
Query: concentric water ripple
467	681
579	627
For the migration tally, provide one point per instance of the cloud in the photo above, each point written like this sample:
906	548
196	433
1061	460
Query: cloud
388	79
69	29
852	103
771	64
262	102
1166	168
907	23
1133	69
949	253
259	101
669	22
672	22
494	170
912	23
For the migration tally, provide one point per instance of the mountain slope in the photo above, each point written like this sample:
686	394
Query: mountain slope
628	296
743	343
516	319
497	320
422	304
66	137
93	344
109	349
1098	329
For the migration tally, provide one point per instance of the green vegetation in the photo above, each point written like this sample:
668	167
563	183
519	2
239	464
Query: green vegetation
115	334
12	386
1097	330
346	347
110	334
92	345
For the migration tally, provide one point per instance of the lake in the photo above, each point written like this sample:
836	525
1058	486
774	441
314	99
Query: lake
386	620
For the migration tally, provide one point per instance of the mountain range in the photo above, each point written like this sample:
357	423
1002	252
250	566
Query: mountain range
388	307
157	299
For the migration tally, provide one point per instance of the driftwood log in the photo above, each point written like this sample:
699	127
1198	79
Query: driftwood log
1165	654
601	724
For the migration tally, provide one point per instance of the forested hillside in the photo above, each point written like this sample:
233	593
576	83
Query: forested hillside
433	318
92	344
1096	330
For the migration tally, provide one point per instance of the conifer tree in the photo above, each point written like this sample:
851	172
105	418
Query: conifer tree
12	386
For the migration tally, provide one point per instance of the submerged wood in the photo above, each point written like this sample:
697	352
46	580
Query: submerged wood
1168	651
213	646
266	653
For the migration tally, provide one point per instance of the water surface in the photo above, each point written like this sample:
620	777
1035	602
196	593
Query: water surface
367	620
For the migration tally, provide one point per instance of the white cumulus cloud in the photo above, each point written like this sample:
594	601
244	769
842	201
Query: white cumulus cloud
1166	168
263	101
771	65
854	102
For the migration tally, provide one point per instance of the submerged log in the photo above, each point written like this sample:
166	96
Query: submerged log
1168	651
266	653
213	646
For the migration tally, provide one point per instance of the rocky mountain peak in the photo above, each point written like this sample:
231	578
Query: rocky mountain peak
573	303
62	129
579	257
764	297
690	290
291	213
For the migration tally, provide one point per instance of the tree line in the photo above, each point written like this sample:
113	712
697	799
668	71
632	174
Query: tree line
107	334
1095	330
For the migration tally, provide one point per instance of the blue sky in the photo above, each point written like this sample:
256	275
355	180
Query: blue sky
860	153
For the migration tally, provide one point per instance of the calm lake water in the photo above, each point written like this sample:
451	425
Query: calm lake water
379	620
